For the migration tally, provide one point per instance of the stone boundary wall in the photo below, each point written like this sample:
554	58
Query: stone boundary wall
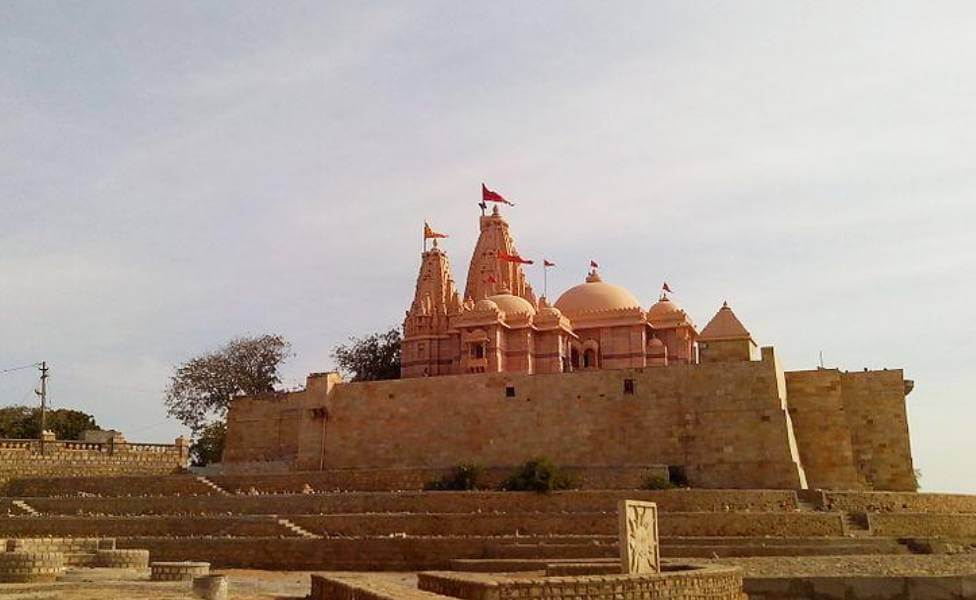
897	502
72	545
300	554
419	502
372	479
714	582
34	458
922	525
456	524
603	523
129	485
846	588
726	423
143	526
363	587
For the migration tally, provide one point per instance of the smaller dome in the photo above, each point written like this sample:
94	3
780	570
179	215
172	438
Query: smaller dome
485	304
655	343
550	312
665	310
512	305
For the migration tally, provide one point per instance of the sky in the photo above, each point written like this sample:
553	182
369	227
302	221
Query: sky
174	174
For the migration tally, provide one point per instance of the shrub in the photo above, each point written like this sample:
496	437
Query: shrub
463	477
656	482
539	475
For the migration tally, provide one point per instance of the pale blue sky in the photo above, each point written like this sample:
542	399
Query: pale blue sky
173	174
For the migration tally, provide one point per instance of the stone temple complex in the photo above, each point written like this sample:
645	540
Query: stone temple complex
595	380
793	485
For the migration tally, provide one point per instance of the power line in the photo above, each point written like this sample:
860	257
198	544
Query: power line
11	369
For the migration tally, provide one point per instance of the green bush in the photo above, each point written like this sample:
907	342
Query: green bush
539	475
463	477
656	482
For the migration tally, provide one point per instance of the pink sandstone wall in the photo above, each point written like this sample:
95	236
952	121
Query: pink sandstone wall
726	423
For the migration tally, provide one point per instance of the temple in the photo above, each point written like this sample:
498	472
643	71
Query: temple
595	381
501	326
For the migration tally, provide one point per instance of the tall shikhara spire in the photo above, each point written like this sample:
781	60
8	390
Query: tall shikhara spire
435	297
487	274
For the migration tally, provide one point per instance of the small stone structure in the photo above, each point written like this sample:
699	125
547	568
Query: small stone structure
639	548
211	587
123	559
178	571
72	458
27	567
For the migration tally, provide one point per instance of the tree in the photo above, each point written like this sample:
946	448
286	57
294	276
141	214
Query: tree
209	444
200	390
24	422
370	358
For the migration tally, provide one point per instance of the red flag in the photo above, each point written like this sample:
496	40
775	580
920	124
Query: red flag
594	265
546	263
490	196
514	258
431	234
666	288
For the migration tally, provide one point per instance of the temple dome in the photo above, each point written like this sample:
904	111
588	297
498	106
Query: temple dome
512	305
665	310
593	296
484	304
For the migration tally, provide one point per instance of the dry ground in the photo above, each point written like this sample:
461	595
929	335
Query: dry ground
103	584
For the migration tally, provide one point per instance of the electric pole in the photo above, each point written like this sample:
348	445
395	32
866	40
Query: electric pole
43	395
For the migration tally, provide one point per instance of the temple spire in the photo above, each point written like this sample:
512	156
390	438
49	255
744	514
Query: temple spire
486	272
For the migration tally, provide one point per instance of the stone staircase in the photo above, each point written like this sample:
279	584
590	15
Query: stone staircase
856	525
302	532
25	508
213	486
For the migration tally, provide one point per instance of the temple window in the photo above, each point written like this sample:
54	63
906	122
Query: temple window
574	358
628	386
478	350
510	391
589	359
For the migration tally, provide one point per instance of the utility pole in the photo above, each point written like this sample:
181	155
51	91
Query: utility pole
43	395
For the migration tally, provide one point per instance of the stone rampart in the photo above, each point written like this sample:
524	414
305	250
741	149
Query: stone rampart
130	485
725	423
418	502
923	525
898	502
35	458
240	479
142	526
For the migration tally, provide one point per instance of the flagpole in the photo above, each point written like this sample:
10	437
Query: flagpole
545	280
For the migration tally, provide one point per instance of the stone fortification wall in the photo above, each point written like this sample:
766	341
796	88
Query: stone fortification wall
852	429
874	402
130	485
369	479
33	458
419	502
725	423
897	502
778	524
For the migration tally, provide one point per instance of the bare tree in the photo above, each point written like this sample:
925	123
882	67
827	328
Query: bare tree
200	390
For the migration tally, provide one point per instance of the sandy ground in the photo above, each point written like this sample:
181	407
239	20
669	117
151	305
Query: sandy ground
102	584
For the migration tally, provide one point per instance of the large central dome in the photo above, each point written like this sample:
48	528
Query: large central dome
594	296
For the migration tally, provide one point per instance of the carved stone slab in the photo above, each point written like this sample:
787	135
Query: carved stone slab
639	549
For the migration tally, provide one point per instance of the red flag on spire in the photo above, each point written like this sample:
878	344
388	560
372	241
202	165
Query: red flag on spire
547	263
431	234
594	265
490	196
666	288
514	258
